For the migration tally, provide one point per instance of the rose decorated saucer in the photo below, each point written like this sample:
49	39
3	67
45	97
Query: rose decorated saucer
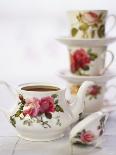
68	76
70	41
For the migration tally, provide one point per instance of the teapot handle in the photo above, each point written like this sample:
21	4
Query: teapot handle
11	91
78	102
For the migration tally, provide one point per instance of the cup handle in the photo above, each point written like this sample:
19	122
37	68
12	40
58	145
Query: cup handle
113	25
108	65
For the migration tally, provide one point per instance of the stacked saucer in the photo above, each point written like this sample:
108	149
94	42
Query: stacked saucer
87	47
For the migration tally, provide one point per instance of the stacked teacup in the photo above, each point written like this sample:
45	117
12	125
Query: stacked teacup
87	47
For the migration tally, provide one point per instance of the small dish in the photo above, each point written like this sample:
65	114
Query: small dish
68	76
70	41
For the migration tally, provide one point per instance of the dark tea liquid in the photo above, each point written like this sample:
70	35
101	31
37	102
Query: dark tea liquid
40	88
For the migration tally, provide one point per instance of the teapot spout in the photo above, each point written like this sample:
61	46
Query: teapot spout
78	101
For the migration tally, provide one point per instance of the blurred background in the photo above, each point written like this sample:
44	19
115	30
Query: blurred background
28	29
28	49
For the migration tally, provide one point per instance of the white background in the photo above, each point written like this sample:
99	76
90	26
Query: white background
28	49
28	29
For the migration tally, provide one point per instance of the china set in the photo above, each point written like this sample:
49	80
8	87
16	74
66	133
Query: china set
88	51
43	113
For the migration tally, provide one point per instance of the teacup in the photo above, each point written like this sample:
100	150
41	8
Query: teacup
89	60
89	24
89	130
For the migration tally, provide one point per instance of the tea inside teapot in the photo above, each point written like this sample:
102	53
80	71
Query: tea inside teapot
40	88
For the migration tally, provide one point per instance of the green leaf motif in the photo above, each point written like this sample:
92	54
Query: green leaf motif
95	25
74	31
13	121
93	56
56	101
48	115
79	17
58	122
101	133
18	113
80	116
59	109
85	68
21	107
101	15
54	95
84	27
101	31
89	50
77	135
93	34
102	119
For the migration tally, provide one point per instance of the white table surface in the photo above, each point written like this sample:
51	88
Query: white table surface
10	144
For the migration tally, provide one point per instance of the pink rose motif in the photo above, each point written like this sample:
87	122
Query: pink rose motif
94	90
32	107
47	105
35	107
87	137
79	59
90	18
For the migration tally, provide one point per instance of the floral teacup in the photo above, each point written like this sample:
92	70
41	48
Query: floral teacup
90	129
89	60
89	23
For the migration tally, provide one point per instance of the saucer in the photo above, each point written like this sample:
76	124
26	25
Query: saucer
68	76
70	41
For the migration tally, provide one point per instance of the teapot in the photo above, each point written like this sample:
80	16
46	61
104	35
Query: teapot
41	112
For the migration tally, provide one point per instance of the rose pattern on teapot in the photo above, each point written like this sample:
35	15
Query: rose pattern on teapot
41	112
35	110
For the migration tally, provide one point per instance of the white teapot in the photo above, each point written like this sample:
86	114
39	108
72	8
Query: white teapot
42	112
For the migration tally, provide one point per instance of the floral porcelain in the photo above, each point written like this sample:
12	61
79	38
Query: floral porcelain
85	137
88	23
36	108
44	115
89	130
95	94
74	42
88	60
77	80
94	99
